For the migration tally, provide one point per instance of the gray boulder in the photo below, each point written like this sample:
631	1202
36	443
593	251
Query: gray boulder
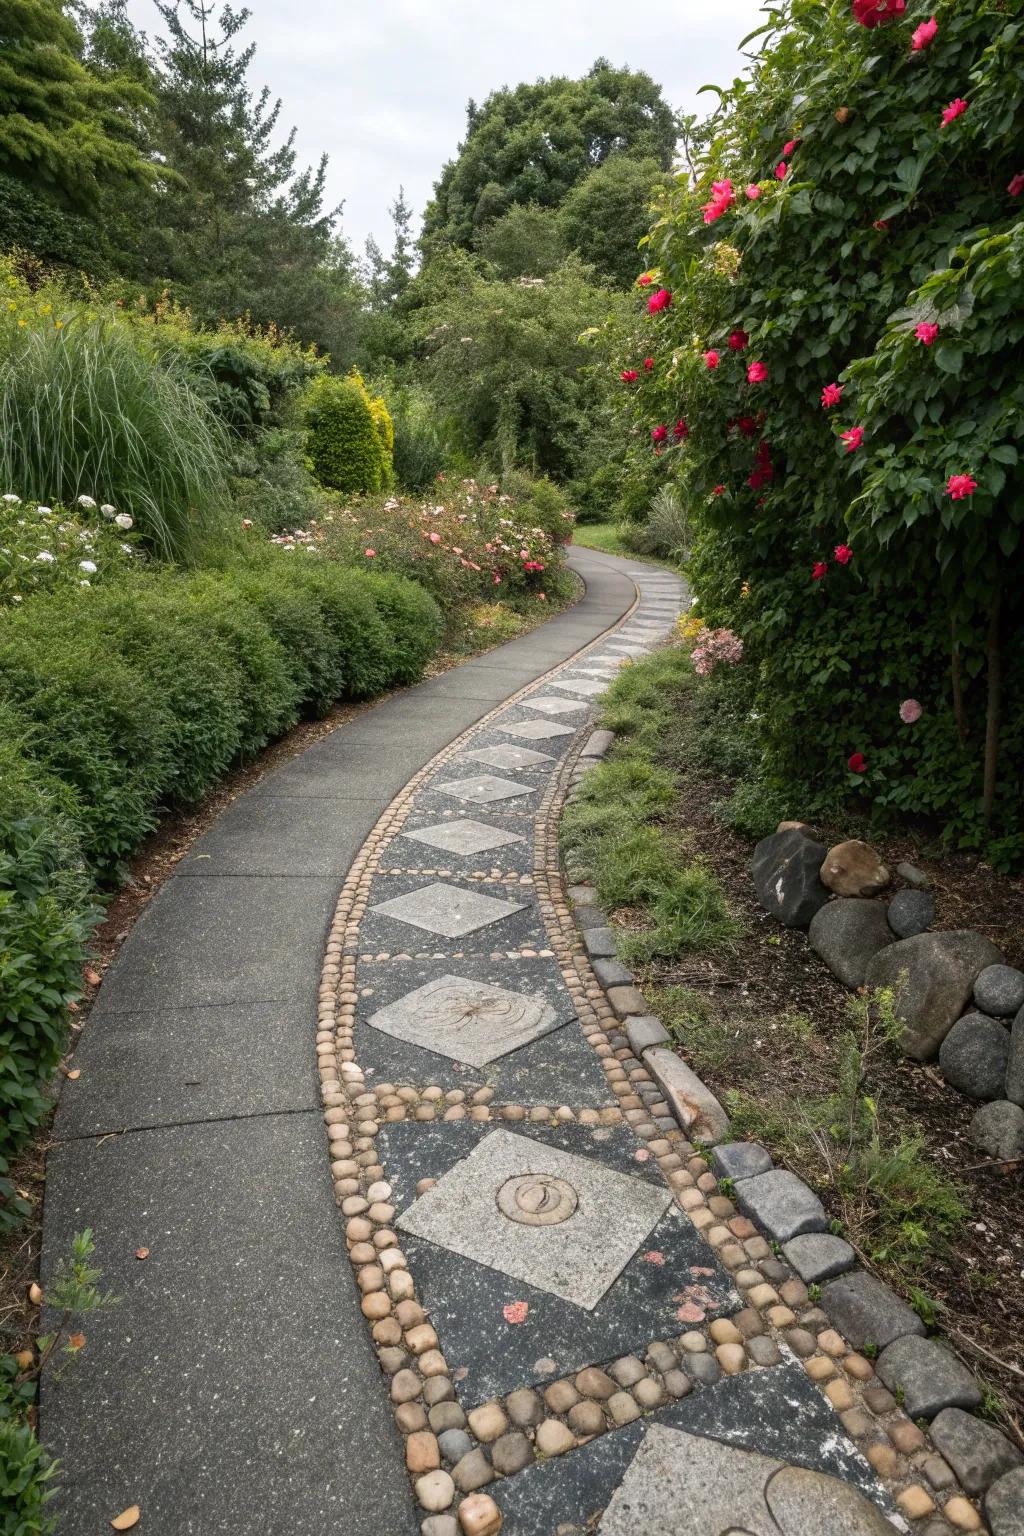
1004	1504
998	1129
933	976
911	912
1014	1088
785	871
977	1452
974	1054
847	934
1000	990
867	1311
929	1375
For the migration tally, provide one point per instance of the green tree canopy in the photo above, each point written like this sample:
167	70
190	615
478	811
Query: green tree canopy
533	143
605	215
524	242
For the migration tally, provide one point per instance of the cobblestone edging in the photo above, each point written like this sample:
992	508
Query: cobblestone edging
452	1455
911	1372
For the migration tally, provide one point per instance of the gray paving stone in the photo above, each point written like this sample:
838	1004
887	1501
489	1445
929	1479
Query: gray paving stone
781	1204
464	836
644	1031
599	942
929	1375
979	1453
507	756
740	1160
867	1311
610	973
482	789
1004	1504
598	743
537	730
693	1104
588	688
819	1256
552	704
577	1258
469	1021
448	909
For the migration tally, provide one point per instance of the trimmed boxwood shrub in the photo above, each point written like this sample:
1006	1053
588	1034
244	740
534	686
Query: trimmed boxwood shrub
120	702
349	437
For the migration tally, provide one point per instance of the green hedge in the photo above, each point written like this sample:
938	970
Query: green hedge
125	701
347	435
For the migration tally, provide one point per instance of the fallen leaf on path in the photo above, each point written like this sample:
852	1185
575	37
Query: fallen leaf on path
76	1340
35	1294
92	977
75	1073
127	1518
24	1359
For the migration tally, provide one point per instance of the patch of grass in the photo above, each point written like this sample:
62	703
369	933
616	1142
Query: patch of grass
606	537
615	828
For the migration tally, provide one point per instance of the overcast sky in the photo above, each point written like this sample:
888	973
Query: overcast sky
382	87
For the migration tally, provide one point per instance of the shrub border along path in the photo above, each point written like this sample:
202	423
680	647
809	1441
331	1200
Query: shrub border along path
217	1391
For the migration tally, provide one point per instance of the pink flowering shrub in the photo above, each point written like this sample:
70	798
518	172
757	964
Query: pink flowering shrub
714	646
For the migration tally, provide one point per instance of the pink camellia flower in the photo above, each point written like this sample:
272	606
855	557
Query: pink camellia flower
819	570
369	553
648	364
831	395
787	149
516	1311
910	710
852	437
877	13
660	300
781	171
1016	185
757	373
738	340
956	108
753	191
843	554
659	434
719	490
926	332
722	198
958	487
645	280
680	431
924	35
857	762
629	375
711	358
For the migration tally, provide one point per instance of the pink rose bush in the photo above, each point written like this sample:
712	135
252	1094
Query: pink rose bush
715	646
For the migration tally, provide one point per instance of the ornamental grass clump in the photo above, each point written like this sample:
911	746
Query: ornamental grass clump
90	407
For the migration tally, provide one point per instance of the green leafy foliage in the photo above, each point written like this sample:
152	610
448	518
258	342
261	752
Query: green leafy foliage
607	214
346	450
885	217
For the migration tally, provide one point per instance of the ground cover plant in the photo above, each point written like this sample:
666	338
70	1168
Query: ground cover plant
827	367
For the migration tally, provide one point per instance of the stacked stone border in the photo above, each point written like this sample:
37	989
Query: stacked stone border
779	1321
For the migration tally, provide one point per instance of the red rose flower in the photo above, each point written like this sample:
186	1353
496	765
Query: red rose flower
853	438
877	13
843	554
738	340
645	280
856	763
746	425
680	431
926	332
819	570
659	434
1016	185
722	198
958	487
648	363
924	35
956	108
711	359
753	191
629	375
660	300
757	373
787	149
719	490
781	171
831	395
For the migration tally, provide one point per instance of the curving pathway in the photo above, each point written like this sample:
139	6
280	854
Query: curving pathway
541	1269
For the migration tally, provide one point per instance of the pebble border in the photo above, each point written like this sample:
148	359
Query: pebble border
778	1322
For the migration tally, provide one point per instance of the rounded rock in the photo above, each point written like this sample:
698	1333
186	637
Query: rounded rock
473	1471
435	1491
524	1407
999	990
623	1408
593	1382
553	1438
480	1516
587	1418
974	1055
488	1422
511	1453
454	1444
421	1452
853	868
910	913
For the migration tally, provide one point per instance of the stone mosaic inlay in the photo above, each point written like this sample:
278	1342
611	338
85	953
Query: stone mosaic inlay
447	909
468	1021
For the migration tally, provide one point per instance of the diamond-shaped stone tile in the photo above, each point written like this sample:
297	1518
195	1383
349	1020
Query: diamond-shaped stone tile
464	836
577	1257
483	789
469	1021
447	909
549	704
507	756
537	730
587	686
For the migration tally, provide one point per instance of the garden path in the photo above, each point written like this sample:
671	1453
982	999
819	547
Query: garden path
519	1258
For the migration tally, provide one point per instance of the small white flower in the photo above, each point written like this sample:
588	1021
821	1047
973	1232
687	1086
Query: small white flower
45	511
45	557
16	598
86	501
88	566
14	501
127	549
84	583
124	520
106	509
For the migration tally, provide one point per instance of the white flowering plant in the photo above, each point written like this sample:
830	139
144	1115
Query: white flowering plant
43	547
